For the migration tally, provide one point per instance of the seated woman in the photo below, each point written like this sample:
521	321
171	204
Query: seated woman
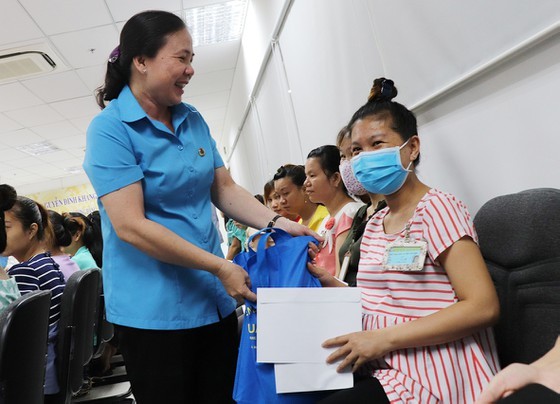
324	185
272	202
427	297
57	239
86	248
349	251
27	223
289	184
8	287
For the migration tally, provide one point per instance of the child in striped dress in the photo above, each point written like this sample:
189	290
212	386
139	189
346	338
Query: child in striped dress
427	297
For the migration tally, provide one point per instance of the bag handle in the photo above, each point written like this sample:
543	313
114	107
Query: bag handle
278	235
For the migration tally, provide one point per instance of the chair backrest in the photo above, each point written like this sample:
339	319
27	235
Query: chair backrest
24	328
520	240
78	311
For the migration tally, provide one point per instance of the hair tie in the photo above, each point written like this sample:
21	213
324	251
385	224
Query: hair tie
114	56
387	87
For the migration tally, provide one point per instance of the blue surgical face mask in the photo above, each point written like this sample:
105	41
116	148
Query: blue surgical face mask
381	171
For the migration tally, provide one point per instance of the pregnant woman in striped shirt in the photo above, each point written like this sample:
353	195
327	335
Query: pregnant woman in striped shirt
428	301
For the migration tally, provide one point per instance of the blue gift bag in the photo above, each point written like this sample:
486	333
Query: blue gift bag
282	265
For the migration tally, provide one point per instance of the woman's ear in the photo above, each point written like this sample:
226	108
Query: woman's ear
33	230
414	147
139	63
336	179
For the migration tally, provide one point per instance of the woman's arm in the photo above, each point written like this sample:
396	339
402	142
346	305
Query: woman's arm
240	205
477	308
125	208
234	249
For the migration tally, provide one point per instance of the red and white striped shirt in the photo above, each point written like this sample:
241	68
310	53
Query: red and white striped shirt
455	372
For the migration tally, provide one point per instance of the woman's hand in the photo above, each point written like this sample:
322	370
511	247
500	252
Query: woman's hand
236	281
545	371
296	229
357	348
326	279
510	379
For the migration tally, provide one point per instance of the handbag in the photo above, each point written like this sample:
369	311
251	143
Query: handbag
283	264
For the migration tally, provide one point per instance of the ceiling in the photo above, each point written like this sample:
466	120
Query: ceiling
57	107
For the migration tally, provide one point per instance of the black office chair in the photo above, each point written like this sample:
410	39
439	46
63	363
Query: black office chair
114	388
78	311
520	241
23	348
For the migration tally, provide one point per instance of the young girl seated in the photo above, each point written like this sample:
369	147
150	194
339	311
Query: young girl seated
27	222
428	299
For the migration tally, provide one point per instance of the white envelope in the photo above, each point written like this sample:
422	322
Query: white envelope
292	324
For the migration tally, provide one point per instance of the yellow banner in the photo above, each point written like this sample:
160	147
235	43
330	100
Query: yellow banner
78	198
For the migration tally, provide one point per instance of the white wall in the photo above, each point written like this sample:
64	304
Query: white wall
495	134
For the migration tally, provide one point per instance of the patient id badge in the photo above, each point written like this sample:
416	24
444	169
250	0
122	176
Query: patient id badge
405	254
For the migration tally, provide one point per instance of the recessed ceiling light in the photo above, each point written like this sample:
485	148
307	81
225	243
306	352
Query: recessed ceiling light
216	23
74	170
38	149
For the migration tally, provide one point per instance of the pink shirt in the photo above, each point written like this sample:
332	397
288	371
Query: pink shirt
331	228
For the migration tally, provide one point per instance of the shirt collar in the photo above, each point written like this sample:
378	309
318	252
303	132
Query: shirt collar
134	112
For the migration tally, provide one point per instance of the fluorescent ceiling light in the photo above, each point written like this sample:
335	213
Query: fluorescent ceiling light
38	149
216	23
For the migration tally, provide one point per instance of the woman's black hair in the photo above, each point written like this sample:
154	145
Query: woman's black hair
260	198
27	211
328	157
343	133
294	172
8	197
268	189
91	234
144	34
61	236
380	104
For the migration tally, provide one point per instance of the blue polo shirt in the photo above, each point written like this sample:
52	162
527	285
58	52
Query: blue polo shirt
176	170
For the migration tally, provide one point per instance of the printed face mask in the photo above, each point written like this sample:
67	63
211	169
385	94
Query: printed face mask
352	184
381	171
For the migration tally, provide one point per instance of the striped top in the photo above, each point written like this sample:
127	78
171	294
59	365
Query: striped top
41	273
455	372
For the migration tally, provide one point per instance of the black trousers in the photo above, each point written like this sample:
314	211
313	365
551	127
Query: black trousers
366	389
182	366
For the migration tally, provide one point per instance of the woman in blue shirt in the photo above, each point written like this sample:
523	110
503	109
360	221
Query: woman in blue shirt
156	170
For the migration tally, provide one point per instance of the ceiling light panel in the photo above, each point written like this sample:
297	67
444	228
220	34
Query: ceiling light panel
216	23
38	149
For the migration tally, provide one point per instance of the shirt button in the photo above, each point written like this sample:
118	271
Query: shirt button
191	169
180	147
195	216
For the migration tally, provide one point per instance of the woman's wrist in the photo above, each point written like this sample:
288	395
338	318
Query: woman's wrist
273	221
